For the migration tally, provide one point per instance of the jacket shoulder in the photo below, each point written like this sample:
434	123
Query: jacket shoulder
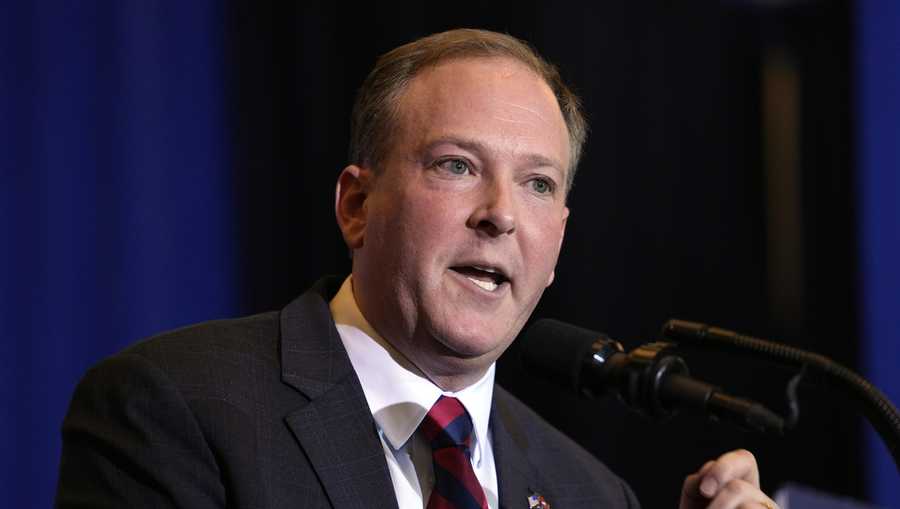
213	355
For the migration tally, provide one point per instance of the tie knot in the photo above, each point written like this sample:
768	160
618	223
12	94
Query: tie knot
448	424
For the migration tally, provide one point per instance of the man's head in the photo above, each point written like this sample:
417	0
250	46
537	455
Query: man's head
456	230
375	110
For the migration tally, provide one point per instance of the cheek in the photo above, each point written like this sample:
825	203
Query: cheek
416	232
434	218
545	240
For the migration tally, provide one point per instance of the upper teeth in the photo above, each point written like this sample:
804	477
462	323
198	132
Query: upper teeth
487	285
485	269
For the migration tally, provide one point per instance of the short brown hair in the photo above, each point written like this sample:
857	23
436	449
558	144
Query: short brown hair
375	109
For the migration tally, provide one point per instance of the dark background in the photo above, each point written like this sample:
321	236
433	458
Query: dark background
670	209
165	163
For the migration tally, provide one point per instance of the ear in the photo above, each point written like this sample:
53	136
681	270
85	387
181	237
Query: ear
350	204
562	234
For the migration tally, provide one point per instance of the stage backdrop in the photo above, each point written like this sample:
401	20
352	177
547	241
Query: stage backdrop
115	201
878	163
164	162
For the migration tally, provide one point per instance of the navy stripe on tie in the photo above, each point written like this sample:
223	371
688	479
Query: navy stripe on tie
457	432
453	490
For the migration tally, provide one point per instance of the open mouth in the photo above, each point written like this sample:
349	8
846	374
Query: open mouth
486	278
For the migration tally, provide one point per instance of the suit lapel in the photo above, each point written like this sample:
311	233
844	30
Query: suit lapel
517	476
335	428
340	441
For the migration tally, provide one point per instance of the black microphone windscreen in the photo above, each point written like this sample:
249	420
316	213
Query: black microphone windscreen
557	351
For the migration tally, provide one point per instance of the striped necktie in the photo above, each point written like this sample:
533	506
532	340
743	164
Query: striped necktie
448	428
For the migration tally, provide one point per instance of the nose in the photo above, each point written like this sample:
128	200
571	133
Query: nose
495	213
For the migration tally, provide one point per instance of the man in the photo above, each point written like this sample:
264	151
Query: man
377	391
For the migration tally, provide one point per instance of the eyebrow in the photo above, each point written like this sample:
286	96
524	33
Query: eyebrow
535	160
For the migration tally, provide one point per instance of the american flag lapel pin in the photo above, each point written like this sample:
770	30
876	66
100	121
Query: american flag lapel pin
536	501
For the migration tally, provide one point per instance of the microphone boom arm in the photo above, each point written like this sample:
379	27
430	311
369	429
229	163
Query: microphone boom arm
875	406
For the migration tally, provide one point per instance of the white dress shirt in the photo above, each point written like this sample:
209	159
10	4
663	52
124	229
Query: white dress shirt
399	396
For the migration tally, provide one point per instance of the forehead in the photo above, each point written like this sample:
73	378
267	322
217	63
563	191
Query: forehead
496	101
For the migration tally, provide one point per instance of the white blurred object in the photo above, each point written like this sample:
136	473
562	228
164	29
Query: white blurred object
795	496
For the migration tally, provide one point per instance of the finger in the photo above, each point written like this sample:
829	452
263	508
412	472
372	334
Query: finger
706	466
734	465
691	483
691	487
740	494
690	492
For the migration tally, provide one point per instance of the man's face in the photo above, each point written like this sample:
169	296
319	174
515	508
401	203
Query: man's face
461	228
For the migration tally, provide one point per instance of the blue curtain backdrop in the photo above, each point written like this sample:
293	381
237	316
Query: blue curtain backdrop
878	163
114	201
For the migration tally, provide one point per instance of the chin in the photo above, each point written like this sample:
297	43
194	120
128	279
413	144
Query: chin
473	341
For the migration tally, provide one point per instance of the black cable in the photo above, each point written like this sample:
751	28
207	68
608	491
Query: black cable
880	412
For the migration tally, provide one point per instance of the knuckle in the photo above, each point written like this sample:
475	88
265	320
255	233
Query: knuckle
736	487
739	459
744	453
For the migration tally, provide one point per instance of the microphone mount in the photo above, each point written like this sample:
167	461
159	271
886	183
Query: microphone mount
655	381
651	379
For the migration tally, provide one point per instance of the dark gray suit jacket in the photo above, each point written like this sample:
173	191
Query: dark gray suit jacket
266	411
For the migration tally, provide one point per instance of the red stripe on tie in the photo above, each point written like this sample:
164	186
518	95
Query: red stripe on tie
444	411
456	486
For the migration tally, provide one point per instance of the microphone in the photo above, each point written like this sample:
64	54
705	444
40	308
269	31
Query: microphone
650	379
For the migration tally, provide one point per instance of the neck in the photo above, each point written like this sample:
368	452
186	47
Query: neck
450	373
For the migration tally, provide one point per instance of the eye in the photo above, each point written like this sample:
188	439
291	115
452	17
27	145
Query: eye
542	185
455	166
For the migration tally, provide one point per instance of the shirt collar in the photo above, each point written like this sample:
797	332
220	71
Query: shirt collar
398	393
